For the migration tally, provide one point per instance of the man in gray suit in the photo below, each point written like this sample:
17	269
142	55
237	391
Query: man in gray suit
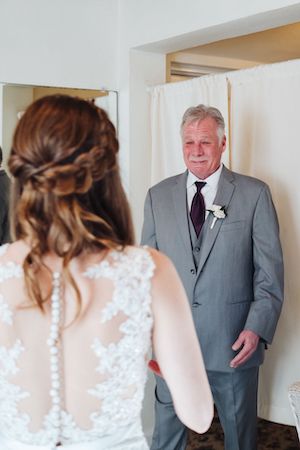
231	267
4	200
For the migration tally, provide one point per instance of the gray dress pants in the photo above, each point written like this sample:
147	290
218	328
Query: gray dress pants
235	396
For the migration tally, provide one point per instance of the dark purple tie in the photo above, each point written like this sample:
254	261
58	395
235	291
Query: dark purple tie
198	208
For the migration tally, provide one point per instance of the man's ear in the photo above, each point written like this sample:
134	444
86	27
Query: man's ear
223	143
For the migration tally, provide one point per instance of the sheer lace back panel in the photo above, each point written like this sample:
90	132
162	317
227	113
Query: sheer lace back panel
101	356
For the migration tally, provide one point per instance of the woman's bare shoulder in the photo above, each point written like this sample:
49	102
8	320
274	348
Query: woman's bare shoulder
160	259
14	252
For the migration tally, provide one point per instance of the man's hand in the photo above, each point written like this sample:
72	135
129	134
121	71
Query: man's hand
247	342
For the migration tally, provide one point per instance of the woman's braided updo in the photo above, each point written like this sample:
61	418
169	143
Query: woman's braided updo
67	195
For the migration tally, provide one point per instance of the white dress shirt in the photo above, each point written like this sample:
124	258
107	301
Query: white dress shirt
209	191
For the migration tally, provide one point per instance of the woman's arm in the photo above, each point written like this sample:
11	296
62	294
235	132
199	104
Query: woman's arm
177	348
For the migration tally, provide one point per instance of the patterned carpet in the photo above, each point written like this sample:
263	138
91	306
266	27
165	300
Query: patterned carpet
270	436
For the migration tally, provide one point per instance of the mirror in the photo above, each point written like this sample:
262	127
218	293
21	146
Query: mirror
14	99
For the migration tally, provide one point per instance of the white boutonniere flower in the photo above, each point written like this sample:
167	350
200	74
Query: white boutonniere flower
219	212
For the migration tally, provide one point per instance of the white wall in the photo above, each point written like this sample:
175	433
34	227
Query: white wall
149	22
68	43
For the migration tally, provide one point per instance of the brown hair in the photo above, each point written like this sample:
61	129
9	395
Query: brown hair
67	195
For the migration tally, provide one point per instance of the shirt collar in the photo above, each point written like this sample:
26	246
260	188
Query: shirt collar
212	181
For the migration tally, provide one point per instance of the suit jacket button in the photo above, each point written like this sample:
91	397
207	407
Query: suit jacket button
197	249
193	271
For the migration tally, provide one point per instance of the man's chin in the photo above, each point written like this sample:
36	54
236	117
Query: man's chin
201	174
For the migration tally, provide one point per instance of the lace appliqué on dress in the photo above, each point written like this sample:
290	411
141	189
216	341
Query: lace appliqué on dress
5	312
122	363
3	249
11	394
10	270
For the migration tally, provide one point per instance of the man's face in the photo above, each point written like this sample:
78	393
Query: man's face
202	148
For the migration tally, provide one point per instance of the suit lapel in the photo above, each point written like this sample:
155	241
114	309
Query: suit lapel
223	197
180	206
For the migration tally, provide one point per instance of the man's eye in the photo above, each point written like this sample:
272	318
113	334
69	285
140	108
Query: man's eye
205	142
189	143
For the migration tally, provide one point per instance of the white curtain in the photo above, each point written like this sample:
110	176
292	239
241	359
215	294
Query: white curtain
265	143
168	103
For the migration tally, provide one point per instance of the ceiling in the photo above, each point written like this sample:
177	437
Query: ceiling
278	44
269	46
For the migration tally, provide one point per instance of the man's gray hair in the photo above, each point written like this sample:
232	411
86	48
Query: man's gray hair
201	112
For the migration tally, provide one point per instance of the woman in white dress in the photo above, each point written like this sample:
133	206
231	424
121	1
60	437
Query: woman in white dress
80	306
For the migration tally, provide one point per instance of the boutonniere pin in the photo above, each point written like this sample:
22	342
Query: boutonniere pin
219	212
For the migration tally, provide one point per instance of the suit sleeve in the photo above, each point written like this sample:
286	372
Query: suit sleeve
148	231
268	269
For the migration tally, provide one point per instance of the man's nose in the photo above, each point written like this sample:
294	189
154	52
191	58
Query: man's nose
198	149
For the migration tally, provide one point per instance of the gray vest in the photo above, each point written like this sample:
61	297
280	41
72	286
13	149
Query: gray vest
196	242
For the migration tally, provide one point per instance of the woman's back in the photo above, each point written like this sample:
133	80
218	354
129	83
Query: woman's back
76	317
65	381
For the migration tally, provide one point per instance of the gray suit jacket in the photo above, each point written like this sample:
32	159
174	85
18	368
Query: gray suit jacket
4	207
238	281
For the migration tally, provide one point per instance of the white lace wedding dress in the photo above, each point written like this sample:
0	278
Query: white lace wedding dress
80	386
